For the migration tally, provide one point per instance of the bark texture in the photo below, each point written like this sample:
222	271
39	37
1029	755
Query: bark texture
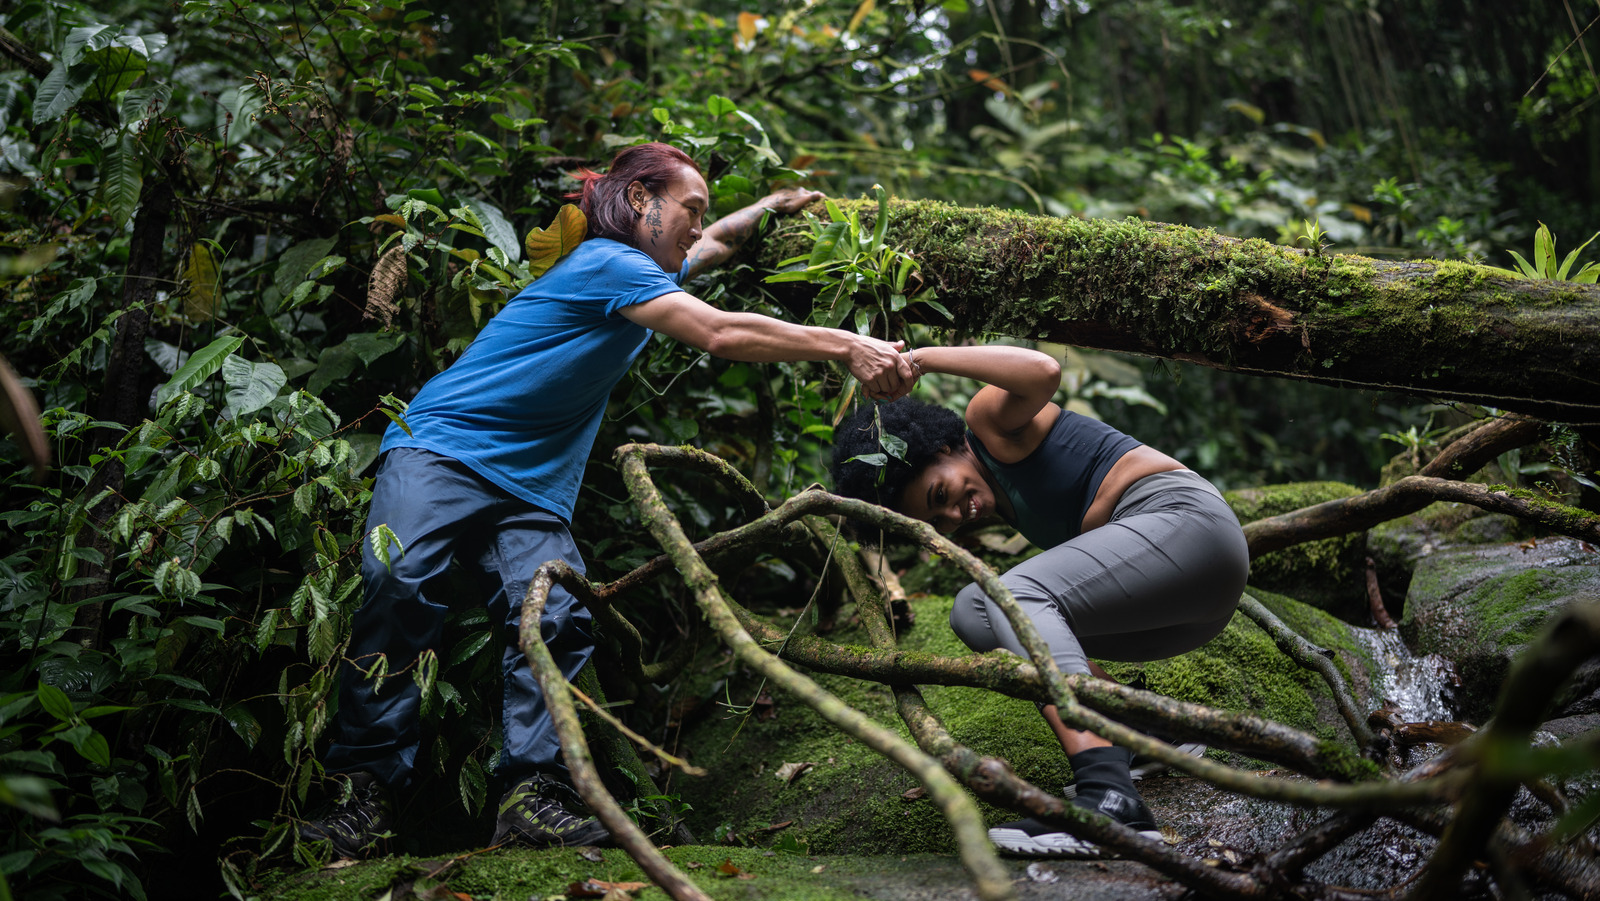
1446	330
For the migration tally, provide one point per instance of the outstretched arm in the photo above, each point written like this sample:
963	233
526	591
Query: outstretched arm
1016	401
726	235
751	337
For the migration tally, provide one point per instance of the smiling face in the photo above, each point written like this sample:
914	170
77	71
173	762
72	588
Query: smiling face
949	492
669	220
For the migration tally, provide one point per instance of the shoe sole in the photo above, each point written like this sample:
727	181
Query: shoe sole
1054	844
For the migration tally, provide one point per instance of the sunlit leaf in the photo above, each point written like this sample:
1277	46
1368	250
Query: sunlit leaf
119	68
862	11
200	304
551	243
747	29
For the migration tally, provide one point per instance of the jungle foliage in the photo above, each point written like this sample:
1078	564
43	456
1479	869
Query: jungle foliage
235	236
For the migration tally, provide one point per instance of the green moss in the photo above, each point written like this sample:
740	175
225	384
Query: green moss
1324	573
1519	605
851	799
726	873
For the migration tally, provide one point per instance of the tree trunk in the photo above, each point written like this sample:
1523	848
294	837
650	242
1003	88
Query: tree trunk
1447	330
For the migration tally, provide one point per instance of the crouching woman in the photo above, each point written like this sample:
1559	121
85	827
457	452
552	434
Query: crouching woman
1141	557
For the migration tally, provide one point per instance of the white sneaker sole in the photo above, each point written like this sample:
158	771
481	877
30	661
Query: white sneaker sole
1054	844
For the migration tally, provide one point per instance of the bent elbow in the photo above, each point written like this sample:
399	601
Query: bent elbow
1049	370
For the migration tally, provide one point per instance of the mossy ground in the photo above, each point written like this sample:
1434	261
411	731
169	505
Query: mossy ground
851	799
728	874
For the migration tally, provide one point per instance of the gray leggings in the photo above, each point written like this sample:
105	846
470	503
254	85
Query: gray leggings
1160	579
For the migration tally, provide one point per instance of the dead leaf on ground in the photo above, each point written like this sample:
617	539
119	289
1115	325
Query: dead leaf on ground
914	794
693	865
341	864
1043	873
591	854
775	827
728	869
766	708
791	771
599	888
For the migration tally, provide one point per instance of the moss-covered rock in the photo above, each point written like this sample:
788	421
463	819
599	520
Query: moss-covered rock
1325	573
1480	606
851	800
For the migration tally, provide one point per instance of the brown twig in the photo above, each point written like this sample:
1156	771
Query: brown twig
1380	611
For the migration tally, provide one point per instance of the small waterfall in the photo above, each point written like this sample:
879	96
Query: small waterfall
1418	685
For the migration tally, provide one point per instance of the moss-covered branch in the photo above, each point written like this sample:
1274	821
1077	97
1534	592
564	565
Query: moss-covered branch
991	878
1442	329
1408	495
1312	658
992	779
575	749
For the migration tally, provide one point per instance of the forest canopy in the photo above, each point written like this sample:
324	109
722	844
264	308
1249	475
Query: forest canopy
236	237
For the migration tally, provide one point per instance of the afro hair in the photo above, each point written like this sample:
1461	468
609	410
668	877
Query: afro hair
927	429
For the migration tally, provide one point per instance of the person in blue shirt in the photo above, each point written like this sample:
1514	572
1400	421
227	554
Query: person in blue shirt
1141	558
487	469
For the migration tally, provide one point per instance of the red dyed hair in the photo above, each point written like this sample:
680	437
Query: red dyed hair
604	198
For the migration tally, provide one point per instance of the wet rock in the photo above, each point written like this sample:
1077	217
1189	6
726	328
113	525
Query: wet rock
1328	574
1481	606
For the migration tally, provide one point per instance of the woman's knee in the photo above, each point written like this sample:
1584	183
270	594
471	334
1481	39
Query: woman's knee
969	619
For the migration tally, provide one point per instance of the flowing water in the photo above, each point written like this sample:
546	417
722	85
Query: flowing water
1418	686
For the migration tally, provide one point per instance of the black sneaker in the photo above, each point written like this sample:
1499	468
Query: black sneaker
357	825
1143	767
538	813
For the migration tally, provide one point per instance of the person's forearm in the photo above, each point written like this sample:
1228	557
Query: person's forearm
723	237
1012	368
752	338
736	228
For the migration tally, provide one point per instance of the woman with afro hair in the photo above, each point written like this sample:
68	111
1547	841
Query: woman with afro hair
1142	558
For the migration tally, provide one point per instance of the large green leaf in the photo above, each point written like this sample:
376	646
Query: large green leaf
496	229
251	386
119	68
84	39
146	45
202	364
337	362
139	104
121	179
60	89
296	262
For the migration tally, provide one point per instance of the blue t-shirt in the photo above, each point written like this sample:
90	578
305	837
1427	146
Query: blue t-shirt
523	404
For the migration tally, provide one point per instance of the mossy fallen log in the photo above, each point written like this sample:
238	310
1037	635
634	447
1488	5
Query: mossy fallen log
1442	329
